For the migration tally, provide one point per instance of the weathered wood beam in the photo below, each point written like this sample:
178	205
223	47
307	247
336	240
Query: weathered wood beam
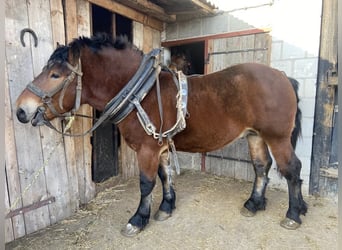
129	12
149	8
203	6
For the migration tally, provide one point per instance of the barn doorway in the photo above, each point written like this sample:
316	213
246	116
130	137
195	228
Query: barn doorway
194	54
106	138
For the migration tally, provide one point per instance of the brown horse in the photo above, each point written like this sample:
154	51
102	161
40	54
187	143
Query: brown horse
251	100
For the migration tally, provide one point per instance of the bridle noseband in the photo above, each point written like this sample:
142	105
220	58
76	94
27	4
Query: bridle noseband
46	96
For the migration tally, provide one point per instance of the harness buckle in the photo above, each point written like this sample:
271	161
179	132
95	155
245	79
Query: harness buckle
46	99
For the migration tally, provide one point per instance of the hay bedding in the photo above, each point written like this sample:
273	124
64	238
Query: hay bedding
207	217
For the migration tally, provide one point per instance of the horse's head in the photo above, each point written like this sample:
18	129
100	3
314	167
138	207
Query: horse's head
180	62
53	93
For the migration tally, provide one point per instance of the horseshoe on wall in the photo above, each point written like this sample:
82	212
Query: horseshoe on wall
22	33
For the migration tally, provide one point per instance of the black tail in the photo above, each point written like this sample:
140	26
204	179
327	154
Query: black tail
297	131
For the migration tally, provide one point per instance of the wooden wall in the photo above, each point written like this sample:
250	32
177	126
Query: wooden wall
49	176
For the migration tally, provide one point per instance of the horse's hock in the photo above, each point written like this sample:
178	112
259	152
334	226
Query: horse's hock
207	215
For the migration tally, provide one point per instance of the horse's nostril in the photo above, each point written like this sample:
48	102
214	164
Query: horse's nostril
21	115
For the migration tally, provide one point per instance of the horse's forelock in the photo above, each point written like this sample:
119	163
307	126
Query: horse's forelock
59	55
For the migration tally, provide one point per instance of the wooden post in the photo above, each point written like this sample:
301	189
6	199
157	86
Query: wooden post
325	95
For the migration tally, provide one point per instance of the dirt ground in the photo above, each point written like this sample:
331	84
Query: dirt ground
207	217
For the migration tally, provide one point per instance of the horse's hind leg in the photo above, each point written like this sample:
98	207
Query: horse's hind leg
289	166
169	195
262	162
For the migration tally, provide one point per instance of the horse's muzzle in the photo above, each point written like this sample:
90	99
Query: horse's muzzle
37	120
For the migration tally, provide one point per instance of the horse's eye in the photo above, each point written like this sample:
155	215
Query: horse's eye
54	75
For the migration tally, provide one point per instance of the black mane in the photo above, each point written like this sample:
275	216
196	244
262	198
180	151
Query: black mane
95	43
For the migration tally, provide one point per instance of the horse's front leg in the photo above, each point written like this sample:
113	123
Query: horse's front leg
169	196
148	164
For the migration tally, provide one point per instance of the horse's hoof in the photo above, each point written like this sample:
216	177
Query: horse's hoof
245	212
161	215
289	224
129	230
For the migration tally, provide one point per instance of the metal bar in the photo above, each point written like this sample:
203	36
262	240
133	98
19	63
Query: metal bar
228	158
30	207
237	51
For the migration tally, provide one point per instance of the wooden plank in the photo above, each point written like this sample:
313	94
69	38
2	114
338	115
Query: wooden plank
58	34
262	41
247	43
156	38
83	26
70	14
149	8
147	44
204	7
325	99
138	34
12	170
51	142
57	22
129	162
29	152
9	234
129	12
70	9
208	68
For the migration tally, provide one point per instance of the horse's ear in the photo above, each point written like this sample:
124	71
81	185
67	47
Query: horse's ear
58	45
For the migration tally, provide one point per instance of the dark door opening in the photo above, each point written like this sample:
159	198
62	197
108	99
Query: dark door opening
194	54
106	138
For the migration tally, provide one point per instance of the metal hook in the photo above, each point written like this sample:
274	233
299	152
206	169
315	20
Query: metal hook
22	33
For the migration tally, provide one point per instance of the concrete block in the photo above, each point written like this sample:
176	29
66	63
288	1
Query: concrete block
307	105
285	66
304	147
310	88
215	25
171	31
291	51
236	24
189	161
190	29
276	51
307	127
301	89
306	166
305	68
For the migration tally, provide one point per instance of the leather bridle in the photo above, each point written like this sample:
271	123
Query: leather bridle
46	96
